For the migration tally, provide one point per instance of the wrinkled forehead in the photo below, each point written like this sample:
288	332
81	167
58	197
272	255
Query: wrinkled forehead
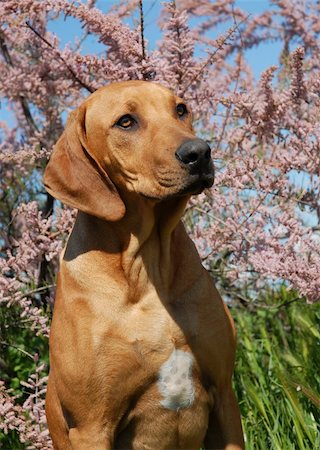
130	97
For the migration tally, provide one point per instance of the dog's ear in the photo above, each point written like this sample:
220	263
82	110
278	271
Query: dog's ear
74	176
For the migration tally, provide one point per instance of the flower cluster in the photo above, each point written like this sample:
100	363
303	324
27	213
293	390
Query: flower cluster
28	419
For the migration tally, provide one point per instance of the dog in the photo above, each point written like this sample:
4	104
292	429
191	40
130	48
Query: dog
142	347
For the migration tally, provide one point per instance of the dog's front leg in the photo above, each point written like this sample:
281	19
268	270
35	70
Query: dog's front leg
90	437
68	436
224	430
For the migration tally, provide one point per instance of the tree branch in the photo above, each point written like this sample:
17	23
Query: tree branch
142	30
23	102
70	70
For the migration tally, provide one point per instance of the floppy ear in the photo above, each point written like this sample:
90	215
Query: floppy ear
74	176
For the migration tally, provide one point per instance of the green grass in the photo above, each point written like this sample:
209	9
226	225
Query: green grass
277	377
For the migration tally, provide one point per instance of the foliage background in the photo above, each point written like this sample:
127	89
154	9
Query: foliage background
257	230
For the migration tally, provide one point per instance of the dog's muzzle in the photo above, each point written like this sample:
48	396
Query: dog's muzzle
195	156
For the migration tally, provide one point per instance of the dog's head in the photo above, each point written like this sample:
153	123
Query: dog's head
134	136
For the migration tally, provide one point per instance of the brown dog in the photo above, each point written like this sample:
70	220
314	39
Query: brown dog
142	347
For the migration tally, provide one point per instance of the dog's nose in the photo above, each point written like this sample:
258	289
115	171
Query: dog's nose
194	154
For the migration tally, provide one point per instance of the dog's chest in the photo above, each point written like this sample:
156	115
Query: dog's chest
157	327
175	380
174	395
160	337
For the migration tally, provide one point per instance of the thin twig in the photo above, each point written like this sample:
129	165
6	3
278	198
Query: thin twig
213	54
253	211
202	211
276	194
151	6
37	290
71	71
32	291
17	348
228	112
142	30
287	303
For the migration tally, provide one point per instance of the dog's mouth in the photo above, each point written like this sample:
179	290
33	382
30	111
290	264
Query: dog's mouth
193	184
197	184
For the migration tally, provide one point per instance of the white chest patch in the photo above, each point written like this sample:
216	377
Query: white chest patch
175	381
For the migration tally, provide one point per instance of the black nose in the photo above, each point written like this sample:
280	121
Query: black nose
194	154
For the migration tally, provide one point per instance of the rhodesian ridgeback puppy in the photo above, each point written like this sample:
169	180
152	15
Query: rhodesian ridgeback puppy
142	347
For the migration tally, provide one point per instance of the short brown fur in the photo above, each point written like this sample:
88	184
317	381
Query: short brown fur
131	287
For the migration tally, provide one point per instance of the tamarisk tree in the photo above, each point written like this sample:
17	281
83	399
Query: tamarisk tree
257	226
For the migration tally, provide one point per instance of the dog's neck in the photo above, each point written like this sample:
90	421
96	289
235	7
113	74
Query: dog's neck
142	243
147	256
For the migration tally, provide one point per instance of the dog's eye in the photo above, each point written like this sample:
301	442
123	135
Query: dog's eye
126	121
181	109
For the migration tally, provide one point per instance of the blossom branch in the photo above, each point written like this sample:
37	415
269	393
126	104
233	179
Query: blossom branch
70	70
210	59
